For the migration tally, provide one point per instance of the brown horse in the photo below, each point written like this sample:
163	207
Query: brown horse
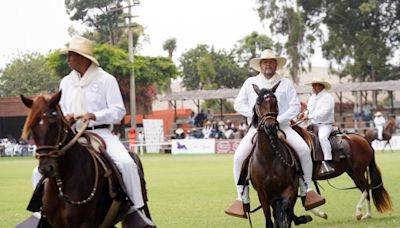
273	166
77	190
360	157
388	130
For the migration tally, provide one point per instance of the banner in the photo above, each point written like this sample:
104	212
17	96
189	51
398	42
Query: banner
226	146
153	134
193	146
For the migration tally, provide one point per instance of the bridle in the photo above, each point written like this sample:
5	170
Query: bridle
270	130
60	148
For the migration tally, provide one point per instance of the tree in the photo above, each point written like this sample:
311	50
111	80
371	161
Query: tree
286	21
205	68
27	74
363	35
100	15
170	46
251	46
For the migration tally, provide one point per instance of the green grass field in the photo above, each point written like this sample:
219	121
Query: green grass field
192	191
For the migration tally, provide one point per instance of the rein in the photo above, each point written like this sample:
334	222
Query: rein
56	151
262	125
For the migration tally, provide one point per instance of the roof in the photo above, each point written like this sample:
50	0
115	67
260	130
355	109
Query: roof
12	106
391	85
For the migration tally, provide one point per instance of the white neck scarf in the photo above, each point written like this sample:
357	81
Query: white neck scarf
80	82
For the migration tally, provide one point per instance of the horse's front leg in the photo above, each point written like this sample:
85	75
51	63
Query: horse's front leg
266	209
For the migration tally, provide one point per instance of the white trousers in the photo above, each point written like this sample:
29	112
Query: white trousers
380	132
324	130
124	163
294	139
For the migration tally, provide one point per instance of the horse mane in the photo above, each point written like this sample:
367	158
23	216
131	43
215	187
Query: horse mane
34	114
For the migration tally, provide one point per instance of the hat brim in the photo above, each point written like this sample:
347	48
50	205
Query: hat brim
326	85
255	63
91	58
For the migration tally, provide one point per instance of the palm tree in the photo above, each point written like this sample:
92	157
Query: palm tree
170	46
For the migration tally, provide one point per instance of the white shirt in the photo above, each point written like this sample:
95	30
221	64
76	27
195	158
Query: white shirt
321	107
102	96
288	101
379	121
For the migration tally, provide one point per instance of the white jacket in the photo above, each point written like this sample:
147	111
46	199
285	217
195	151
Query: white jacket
321	108
102	96
288	101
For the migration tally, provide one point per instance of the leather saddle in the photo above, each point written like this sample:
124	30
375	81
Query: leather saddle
339	142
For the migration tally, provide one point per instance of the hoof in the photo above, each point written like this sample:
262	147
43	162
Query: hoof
365	217
358	217
303	219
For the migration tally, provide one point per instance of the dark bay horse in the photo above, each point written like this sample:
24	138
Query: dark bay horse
388	130
357	164
77	190
273	165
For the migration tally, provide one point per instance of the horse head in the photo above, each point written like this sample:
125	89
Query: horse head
48	128
266	109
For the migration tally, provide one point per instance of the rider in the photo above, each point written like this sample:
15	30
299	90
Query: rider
289	107
321	108
379	122
93	94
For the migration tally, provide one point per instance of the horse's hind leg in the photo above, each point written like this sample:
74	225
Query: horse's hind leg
359	215
362	184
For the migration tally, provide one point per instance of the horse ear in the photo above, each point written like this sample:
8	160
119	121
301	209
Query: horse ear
27	101
55	99
275	87
256	89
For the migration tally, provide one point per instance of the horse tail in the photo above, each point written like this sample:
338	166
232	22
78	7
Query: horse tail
380	196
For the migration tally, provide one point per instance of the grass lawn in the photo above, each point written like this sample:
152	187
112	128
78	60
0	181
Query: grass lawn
193	191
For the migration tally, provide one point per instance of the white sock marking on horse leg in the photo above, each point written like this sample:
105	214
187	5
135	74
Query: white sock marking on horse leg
359	205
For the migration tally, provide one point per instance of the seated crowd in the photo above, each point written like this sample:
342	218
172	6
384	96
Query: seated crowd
212	130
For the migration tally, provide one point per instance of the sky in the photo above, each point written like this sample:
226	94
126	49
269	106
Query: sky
42	25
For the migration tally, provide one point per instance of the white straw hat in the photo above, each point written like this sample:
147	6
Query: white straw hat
378	114
83	47
267	54
318	80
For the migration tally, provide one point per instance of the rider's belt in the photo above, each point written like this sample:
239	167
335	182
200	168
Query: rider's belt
98	127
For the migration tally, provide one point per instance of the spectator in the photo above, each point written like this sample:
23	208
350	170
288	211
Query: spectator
242	129
357	114
207	128
199	119
229	130
179	133
191	119
366	111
